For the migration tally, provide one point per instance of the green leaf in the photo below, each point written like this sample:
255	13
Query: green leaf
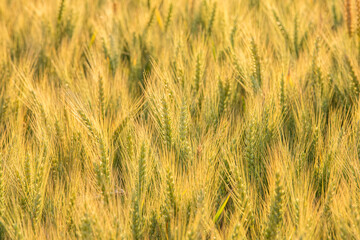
221	209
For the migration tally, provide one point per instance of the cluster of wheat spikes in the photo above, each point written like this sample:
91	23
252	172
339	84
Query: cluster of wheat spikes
187	119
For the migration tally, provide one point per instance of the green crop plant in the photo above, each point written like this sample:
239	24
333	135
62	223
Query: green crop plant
159	119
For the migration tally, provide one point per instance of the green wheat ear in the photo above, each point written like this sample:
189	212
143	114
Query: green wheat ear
224	92
61	11
101	182
149	22
88	124
141	169
155	227
250	149
185	150
357	31
130	145
101	99
233	33
198	73
348	16
169	208
169	17
282	29
120	128
170	192
70	222
245	204
2	187
328	201
166	124
275	216
212	19
59	23
283	98
354	80
37	191
136	219
257	79
105	165
357	2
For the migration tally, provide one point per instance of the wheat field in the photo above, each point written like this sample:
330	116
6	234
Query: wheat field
187	119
